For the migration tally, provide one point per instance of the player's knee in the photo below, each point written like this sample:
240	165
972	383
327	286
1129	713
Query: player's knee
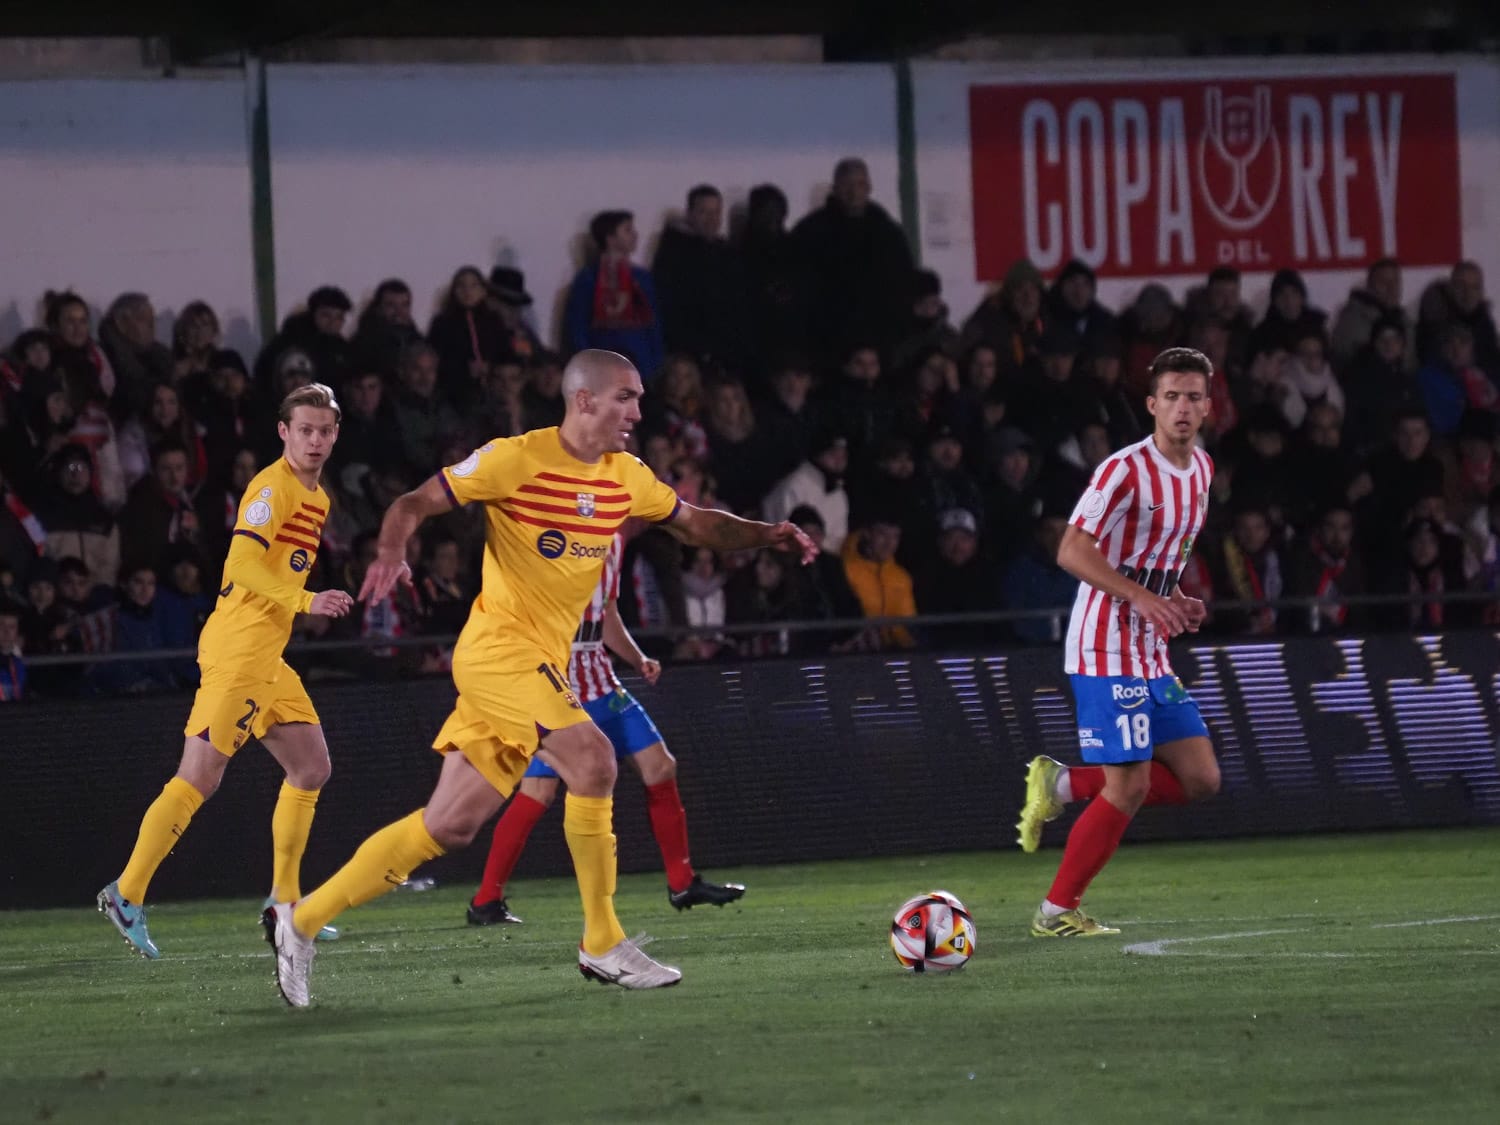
311	775
452	834
1201	784
656	765
596	777
542	790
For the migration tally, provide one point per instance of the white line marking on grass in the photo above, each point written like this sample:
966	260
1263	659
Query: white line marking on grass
1158	948
1164	947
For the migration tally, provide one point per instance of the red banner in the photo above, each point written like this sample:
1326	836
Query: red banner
1153	178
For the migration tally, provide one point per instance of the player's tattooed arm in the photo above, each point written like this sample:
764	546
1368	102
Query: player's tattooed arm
721	531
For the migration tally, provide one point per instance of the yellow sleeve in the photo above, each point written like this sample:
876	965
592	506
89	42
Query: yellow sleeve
650	499
491	472
262	510
245	567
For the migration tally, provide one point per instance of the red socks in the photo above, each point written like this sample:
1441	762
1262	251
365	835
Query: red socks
511	832
669	826
1088	783
1095	836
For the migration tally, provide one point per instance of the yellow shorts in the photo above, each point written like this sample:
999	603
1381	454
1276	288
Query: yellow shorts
509	697
232	706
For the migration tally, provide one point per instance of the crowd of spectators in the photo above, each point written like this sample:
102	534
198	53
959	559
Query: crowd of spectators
808	372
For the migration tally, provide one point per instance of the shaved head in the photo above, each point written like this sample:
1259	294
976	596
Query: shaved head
594	370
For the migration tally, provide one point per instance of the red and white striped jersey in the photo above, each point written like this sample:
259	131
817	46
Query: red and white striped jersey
589	668
1146	513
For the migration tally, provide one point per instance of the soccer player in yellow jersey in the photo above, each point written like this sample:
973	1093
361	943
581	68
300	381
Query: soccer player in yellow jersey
247	689
553	499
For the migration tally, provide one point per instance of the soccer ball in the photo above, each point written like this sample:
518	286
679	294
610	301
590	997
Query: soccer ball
932	933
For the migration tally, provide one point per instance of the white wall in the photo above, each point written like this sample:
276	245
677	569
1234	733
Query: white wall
945	185
414	172
126	184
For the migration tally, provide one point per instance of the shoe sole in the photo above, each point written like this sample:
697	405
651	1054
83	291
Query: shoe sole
510	921
1038	800
104	908
599	978
706	902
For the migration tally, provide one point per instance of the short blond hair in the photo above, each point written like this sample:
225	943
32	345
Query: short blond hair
314	394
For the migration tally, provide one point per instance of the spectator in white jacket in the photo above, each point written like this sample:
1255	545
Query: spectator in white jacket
819	483
1308	379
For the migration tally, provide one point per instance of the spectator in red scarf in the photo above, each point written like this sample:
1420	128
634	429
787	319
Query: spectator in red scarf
1431	565
160	510
1250	569
469	337
87	374
612	303
675	407
1328	567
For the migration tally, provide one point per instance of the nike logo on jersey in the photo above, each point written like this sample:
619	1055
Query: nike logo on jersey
1157	507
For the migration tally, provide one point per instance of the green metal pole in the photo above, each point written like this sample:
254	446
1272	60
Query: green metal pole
906	154
262	227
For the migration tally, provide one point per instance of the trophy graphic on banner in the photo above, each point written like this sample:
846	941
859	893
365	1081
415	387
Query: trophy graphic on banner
1239	157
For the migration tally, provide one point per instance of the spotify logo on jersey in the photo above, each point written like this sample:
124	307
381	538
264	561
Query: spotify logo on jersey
551	544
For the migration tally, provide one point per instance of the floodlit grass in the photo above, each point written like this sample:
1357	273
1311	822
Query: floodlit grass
1352	978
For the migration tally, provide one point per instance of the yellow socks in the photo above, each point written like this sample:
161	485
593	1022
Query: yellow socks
588	826
381	864
291	824
164	823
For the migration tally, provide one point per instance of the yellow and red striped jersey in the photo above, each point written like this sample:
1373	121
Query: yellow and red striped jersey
275	543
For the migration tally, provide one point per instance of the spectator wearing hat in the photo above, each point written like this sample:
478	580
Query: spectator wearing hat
1071	302
946	485
1378	300
1012	502
509	298
612	302
1009	320
700	286
927	328
957	578
1379	382
819	483
12	655
1049	401
859	261
1459	299
1452	382
385	327
77	523
1033	580
468	337
317	332
1288	317
882	585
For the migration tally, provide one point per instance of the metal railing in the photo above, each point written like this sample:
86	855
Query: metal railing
925	624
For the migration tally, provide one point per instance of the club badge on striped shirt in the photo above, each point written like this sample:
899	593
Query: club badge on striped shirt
586	504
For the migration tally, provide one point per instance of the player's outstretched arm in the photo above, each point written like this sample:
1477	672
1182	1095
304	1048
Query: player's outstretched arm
721	531
401	521
246	568
1079	555
618	640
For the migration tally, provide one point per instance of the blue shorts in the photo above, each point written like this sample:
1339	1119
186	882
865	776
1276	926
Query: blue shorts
623	721
1123	718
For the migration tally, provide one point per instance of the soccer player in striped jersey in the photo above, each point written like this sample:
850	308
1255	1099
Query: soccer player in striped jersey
635	738
248	690
1128	539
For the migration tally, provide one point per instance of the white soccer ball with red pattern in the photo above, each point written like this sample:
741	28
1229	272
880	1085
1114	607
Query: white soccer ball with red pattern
932	933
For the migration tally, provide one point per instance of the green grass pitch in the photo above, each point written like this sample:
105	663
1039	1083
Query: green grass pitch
1350	978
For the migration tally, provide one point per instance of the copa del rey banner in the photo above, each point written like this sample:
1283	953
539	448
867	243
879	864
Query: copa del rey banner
1151	178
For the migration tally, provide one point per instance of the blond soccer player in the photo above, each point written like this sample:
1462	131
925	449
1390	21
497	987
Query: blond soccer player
553	499
247	690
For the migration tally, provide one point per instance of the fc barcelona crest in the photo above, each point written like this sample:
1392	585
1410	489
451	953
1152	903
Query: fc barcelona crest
586	504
